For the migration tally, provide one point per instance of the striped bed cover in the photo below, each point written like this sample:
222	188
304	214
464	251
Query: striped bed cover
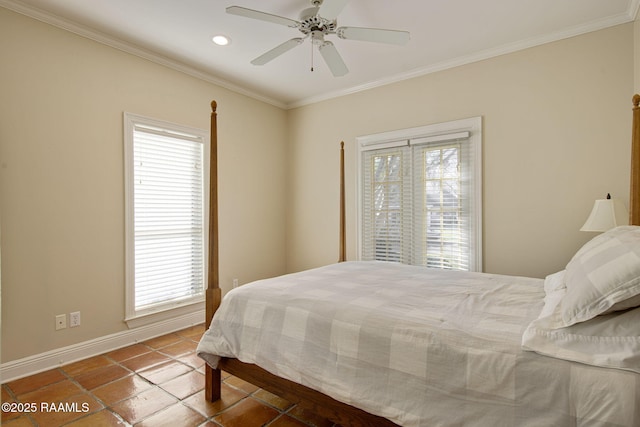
419	346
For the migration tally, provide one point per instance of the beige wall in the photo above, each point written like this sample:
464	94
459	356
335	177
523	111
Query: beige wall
61	189
556	136
636	51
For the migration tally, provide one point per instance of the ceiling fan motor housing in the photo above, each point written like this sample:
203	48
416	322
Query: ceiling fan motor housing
311	22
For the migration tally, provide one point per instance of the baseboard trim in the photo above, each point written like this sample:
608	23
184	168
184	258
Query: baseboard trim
30	365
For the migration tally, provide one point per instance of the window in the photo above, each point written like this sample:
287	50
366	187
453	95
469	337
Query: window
420	196
165	171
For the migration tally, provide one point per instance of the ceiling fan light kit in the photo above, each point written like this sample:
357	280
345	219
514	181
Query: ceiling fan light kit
317	22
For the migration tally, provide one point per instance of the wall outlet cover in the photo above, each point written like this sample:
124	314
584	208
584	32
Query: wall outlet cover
74	319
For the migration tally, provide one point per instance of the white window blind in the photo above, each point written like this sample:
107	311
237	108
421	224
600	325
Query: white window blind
166	208
420	200
386	196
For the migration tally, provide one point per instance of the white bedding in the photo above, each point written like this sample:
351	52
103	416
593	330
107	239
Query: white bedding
418	346
611	340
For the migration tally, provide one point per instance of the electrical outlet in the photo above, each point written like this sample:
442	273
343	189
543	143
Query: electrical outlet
61	321
74	319
235	283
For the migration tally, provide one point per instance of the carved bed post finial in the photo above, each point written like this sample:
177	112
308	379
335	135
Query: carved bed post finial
214	106
634	197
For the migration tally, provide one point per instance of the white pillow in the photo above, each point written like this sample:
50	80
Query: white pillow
554	282
610	341
603	276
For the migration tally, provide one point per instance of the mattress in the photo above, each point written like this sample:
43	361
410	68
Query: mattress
419	346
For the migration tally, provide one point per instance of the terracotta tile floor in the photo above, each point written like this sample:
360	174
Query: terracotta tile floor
156	383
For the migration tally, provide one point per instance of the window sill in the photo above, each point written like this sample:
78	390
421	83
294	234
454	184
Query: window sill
193	308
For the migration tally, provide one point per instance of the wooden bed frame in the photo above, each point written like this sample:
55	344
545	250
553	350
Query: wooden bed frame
314	401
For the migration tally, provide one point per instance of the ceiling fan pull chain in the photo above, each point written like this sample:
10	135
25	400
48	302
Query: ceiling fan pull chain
311	57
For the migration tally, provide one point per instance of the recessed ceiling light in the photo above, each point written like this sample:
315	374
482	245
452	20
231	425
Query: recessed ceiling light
221	40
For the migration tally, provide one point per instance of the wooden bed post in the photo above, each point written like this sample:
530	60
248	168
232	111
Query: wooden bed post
343	237
634	197
213	294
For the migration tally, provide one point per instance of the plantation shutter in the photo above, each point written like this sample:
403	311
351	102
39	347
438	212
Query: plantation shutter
168	217
418	202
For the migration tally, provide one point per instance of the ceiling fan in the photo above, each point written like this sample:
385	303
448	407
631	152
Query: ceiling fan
317	22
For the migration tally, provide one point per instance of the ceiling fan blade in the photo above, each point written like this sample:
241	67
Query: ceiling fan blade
377	35
330	9
333	59
262	16
277	51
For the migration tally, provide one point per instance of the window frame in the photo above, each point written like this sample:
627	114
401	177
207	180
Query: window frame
169	310
433	133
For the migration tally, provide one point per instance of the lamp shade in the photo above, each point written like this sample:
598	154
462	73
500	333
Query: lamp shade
605	215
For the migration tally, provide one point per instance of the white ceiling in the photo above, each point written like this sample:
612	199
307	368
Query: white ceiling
444	33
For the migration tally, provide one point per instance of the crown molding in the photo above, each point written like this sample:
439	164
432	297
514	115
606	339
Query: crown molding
124	46
601	24
629	15
634	6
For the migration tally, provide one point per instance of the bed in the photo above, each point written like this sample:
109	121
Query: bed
440	348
